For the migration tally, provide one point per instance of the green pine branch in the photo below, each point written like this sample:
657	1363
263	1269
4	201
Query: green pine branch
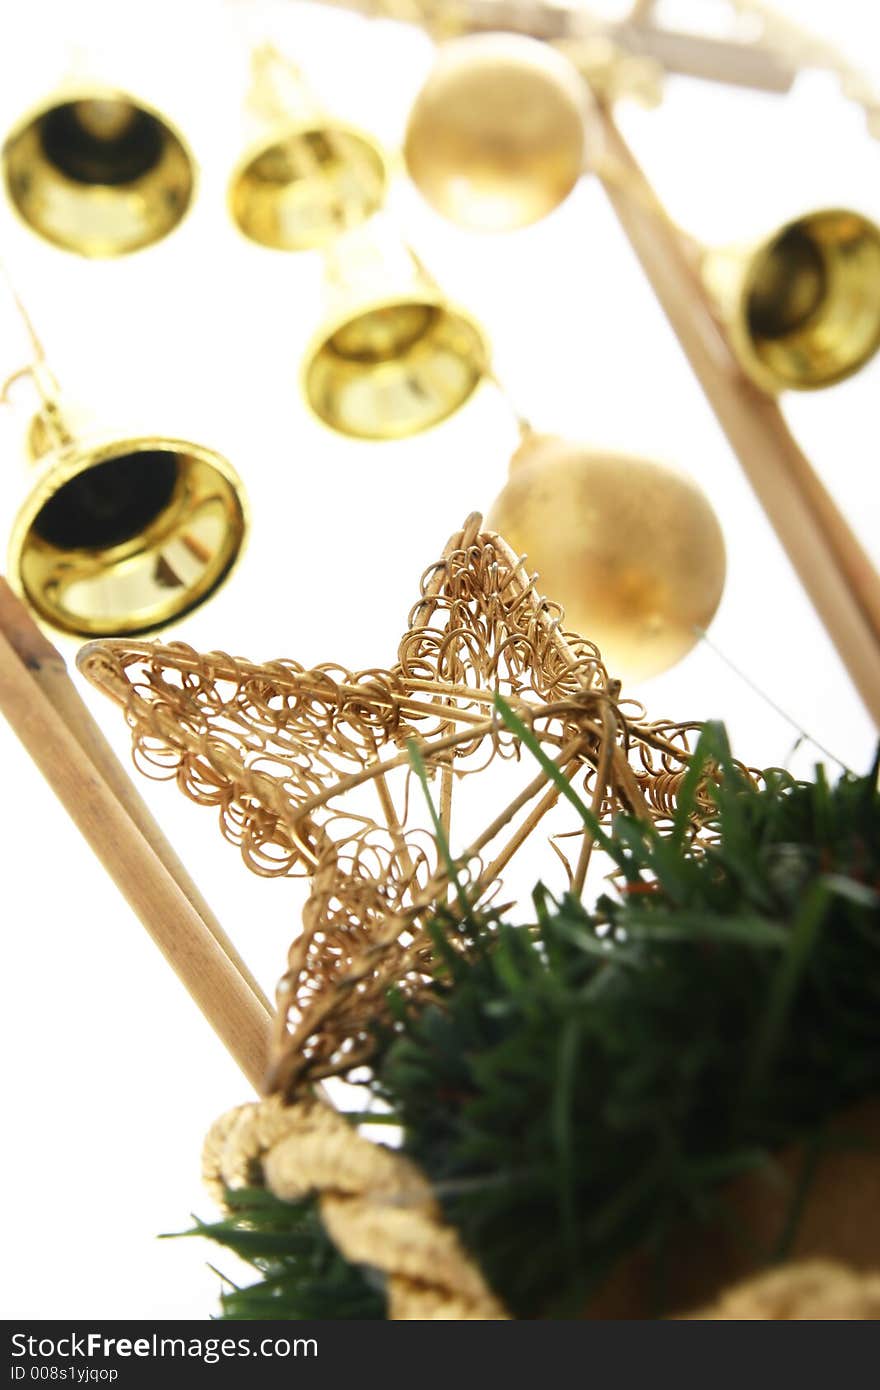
582	1089
581	1086
302	1275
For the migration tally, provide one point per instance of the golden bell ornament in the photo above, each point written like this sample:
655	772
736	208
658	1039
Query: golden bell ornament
97	171
307	176
632	550
393	356
123	533
803	305
495	139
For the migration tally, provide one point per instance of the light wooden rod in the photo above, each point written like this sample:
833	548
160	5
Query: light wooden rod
833	568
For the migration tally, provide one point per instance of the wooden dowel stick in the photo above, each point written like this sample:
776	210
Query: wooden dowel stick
227	1002
739	62
48	668
831	565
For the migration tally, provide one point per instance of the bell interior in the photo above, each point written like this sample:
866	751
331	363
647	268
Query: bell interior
395	369
306	186
123	542
100	175
812	300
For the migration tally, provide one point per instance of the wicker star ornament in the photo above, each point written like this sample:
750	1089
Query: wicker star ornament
316	772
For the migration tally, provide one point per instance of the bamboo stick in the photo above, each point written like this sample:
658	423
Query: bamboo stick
49	669
739	63
833	568
238	1017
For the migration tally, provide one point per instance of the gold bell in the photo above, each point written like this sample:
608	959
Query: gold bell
98	172
306	177
393	356
802	306
121	534
632	550
495	139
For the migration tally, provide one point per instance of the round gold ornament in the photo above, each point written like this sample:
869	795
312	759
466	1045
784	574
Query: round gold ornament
631	549
496	136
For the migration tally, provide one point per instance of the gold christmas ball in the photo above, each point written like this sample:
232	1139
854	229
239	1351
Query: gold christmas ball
496	136
632	550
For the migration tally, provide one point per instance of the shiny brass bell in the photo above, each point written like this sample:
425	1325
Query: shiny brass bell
496	137
306	177
631	549
393	355
98	172
120	534
802	306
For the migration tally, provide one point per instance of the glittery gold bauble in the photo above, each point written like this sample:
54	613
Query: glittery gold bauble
632	550
496	136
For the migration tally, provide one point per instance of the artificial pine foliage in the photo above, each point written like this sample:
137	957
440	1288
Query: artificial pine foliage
585	1087
302	1274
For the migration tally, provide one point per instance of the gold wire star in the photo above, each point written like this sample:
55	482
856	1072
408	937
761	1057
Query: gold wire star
312	773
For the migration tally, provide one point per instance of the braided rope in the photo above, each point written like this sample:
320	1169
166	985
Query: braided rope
812	1290
378	1210
377	1206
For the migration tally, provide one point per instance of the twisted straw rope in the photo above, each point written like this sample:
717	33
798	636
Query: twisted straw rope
378	1210
376	1205
819	1290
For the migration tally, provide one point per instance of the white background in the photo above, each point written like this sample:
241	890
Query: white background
110	1077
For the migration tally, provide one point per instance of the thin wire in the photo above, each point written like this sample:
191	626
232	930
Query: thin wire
288	754
522	422
768	700
39	350
37	369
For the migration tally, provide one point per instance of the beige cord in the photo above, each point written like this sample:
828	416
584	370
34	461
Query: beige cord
379	1211
812	1290
377	1206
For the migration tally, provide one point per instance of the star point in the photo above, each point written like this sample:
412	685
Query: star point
311	774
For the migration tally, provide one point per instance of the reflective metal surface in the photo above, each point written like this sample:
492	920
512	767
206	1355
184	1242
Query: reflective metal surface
393	368
803	306
393	356
303	185
99	173
125	535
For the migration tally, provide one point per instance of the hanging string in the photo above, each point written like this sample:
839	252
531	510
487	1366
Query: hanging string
38	370
805	736
522	422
